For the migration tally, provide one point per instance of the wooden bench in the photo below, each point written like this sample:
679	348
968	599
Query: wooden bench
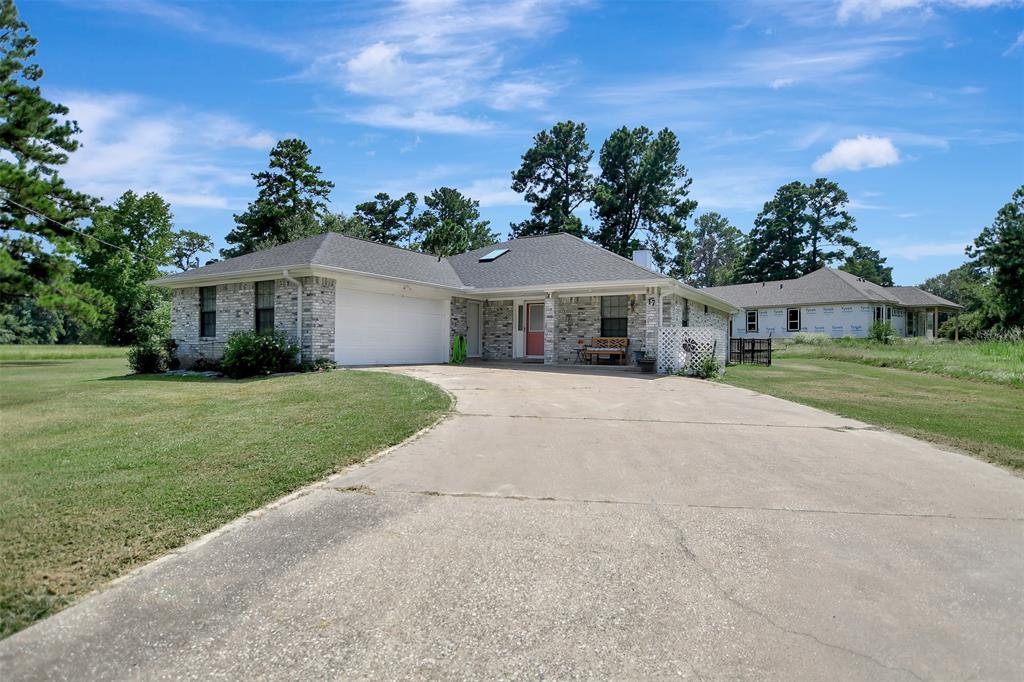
612	346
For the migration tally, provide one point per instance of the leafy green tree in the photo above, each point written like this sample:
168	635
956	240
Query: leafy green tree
961	285
27	323
35	203
775	245
869	264
717	251
187	246
290	187
999	251
134	238
555	178
641	195
450	224
385	220
829	225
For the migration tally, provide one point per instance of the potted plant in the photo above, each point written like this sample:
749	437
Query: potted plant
647	364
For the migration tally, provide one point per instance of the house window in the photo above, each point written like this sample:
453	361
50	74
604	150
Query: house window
793	319
888	313
751	321
519	321
878	313
614	312
265	306
208	312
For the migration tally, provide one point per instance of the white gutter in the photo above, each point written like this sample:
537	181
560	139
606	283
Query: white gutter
298	310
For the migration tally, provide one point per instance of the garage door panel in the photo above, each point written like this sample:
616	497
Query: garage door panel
373	328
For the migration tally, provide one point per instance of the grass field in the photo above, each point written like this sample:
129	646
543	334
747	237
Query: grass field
9	352
982	418
1000	362
100	472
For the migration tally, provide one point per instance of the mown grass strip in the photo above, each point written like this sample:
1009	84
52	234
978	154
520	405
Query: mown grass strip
100	472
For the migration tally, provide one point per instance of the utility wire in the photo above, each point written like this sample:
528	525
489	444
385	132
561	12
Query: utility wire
68	226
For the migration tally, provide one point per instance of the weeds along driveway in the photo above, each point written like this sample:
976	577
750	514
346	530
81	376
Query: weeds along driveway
562	524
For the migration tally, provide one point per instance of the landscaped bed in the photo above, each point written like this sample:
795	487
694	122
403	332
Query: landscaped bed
981	417
100	472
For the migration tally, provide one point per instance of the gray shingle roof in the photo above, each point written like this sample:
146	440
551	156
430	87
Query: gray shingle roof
913	296
337	251
821	286
550	259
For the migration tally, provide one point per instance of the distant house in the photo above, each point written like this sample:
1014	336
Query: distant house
360	303
831	302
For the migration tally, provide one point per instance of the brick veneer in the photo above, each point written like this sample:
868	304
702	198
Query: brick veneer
497	337
236	311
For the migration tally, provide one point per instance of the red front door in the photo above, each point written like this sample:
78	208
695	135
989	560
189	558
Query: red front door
535	329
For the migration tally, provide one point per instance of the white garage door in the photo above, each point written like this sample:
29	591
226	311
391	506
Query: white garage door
383	329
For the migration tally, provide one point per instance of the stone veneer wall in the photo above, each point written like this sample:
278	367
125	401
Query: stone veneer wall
459	320
236	311
717	320
498	325
318	312
639	321
578	317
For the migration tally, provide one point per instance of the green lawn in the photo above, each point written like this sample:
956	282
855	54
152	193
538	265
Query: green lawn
1000	362
10	352
100	472
985	419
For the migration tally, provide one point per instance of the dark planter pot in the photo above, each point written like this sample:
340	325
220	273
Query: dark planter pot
637	356
647	365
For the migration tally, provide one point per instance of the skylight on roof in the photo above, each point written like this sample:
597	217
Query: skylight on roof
493	255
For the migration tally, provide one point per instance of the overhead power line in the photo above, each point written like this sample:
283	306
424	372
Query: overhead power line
68	226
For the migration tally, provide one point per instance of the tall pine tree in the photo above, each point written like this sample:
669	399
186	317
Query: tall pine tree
555	178
829	225
775	245
641	196
999	251
717	251
290	191
868	263
35	140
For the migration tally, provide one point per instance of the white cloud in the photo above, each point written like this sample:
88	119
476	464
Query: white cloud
872	10
420	120
914	251
1017	44
780	83
493	192
131	143
421	64
858	153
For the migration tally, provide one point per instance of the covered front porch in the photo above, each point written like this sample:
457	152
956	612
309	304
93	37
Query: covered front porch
556	327
925	322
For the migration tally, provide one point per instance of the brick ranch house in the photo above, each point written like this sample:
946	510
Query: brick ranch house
834	303
362	303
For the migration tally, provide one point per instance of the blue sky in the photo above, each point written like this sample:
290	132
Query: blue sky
916	107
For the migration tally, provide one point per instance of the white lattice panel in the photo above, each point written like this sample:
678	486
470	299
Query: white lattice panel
683	348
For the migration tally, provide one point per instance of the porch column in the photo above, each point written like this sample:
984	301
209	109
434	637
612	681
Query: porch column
935	323
550	328
652	320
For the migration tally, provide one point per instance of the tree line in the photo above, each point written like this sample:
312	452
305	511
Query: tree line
74	270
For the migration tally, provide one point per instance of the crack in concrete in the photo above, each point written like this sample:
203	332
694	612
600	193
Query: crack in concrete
643	420
681	505
681	541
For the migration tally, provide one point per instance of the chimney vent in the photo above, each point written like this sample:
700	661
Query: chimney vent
644	258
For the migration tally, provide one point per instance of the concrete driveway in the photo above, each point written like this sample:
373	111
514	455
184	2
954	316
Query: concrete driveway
568	524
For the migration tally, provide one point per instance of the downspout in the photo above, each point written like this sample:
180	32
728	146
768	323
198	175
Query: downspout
298	310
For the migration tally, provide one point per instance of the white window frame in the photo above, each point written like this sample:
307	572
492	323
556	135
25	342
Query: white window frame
749	329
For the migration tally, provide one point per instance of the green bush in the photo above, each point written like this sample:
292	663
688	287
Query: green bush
319	365
249	354
969	326
707	368
149	357
882	332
